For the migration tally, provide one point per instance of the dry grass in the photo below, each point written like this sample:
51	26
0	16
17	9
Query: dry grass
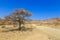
23	35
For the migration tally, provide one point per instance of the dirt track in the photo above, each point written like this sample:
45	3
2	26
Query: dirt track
51	32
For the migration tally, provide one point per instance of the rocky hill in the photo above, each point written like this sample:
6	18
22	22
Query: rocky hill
53	22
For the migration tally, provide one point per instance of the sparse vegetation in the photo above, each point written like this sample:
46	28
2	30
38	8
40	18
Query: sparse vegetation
3	27
16	27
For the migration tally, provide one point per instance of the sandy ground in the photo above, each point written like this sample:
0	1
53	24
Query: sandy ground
39	33
25	35
53	33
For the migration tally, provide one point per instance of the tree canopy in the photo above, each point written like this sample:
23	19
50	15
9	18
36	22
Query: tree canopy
19	15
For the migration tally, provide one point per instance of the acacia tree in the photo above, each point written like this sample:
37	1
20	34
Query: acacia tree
20	16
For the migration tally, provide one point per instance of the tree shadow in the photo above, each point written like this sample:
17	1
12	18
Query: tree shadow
17	29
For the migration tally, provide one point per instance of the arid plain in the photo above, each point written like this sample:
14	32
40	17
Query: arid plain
40	31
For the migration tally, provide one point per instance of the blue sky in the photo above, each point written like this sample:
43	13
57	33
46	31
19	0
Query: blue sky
40	9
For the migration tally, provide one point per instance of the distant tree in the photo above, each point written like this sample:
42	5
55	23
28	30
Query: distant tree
20	16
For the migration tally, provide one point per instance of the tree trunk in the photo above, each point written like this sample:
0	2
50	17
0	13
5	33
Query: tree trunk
19	24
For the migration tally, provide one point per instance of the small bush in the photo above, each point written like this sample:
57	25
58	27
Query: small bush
3	27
